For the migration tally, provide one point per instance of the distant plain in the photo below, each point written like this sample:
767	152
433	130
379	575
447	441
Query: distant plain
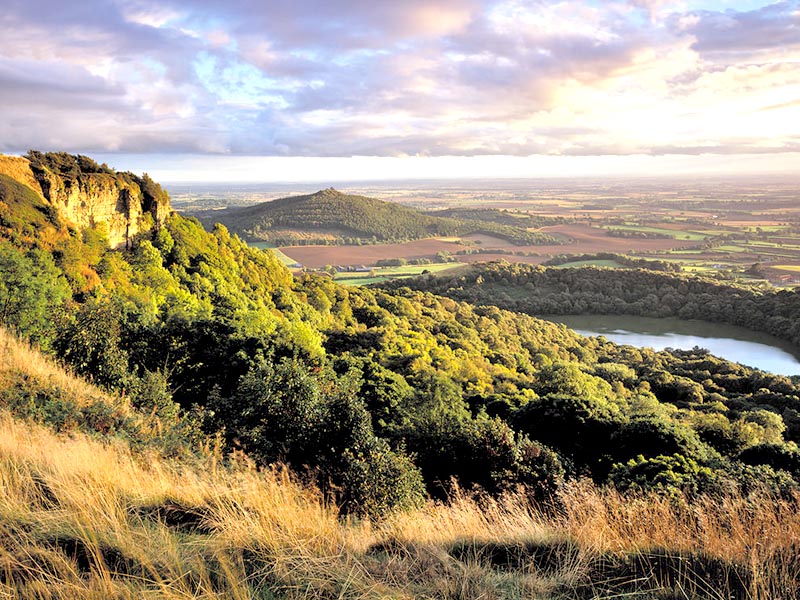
737	228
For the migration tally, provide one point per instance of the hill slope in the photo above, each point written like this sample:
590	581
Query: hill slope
329	216
343	382
381	399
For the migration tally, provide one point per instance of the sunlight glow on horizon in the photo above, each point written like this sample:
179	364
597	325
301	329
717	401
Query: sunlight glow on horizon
228	169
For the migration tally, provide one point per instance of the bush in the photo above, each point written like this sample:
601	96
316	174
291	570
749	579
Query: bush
282	412
31	291
777	456
653	437
578	427
484	453
668	474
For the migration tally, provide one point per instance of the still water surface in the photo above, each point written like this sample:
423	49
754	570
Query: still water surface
736	344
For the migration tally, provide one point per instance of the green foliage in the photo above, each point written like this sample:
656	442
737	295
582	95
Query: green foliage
282	412
568	378
485	453
31	291
576	426
619	259
776	456
391	262
66	165
153	193
90	340
386	394
656	436
150	394
660	473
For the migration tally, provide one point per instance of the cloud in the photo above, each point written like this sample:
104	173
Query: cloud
388	78
775	26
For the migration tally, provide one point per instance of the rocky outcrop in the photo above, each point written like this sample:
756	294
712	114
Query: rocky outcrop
97	201
122	205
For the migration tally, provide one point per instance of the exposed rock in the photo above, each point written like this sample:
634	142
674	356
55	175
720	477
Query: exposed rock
106	200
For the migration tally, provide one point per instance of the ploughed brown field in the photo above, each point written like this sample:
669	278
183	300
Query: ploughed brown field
316	257
587	240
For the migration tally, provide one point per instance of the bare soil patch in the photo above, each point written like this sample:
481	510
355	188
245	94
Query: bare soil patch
589	240
319	256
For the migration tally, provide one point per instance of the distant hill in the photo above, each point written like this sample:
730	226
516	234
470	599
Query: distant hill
329	216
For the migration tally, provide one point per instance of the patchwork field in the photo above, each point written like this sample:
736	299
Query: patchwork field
733	228
585	240
382	274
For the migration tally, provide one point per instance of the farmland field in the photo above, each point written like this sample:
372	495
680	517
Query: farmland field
382	274
731	228
585	239
316	257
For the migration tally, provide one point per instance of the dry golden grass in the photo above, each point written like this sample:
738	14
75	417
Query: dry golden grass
81	518
18	358
85	517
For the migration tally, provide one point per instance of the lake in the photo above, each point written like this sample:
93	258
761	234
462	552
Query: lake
736	344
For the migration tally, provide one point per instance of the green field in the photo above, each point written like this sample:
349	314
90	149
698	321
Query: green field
591	263
287	260
382	274
692	236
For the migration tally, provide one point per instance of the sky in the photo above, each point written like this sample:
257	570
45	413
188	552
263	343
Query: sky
292	90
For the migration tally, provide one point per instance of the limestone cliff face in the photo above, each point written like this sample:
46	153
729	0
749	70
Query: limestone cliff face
121	204
97	201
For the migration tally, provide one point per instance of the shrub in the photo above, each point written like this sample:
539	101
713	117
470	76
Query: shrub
669	474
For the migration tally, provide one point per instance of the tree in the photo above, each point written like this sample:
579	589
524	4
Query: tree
282	412
31	290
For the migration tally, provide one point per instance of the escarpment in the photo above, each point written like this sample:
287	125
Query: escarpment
86	194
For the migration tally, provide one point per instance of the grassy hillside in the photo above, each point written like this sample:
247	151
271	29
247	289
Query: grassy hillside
85	519
24	214
37	389
329	216
19	169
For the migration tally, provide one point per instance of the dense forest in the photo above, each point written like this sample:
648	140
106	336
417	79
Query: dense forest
539	290
346	218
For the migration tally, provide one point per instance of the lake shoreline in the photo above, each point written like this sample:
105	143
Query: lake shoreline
737	344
